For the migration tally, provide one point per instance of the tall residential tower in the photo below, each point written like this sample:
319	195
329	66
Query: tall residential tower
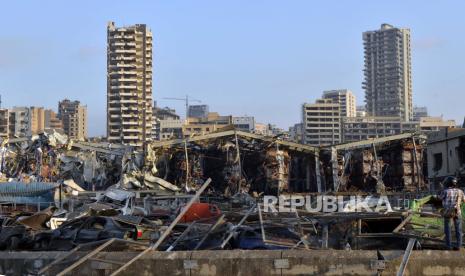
129	85
388	73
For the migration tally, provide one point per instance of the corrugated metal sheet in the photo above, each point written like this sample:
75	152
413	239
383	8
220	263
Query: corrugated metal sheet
27	193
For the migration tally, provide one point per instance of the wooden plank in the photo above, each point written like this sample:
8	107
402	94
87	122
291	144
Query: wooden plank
403	223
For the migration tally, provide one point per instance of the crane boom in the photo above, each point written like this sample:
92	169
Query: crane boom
186	100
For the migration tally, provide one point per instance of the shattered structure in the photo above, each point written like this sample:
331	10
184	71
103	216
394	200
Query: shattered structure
51	157
237	162
394	163
206	193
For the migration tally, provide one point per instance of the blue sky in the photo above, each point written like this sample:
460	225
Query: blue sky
261	58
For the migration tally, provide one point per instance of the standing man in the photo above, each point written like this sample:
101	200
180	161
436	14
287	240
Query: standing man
452	198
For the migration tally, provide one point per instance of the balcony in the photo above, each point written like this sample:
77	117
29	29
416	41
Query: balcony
132	137
130	116
122	51
131	130
123	87
130	123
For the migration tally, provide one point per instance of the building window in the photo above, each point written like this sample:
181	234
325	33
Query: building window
437	159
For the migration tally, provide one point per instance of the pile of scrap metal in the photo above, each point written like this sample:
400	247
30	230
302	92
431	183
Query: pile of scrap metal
32	160
395	163
51	157
111	215
188	222
236	162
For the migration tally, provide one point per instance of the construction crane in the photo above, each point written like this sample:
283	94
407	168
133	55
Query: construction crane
186	100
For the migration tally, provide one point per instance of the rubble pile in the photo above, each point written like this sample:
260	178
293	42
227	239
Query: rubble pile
51	157
207	192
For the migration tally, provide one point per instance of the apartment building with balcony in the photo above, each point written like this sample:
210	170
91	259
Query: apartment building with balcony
129	85
387	72
73	116
321	123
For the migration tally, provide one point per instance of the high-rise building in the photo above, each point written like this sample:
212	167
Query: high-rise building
321	123
345	98
129	85
388	77
198	111
73	115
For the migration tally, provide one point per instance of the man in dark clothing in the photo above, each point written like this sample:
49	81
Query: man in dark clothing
452	198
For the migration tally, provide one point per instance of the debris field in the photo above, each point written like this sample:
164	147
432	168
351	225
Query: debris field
207	193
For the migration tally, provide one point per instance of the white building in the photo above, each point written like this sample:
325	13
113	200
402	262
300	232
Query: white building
345	98
321	123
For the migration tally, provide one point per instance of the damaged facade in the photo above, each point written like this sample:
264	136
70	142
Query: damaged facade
446	155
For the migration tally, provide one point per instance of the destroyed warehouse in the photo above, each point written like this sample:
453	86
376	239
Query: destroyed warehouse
205	192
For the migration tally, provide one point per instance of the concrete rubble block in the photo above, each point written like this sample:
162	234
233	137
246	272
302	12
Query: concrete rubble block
329	262
160	263
238	262
429	262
